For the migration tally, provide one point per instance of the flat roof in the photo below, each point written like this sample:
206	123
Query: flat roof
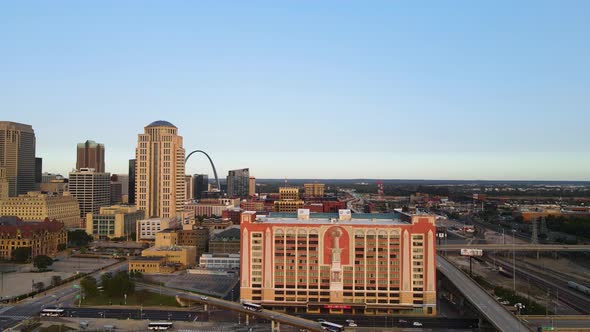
326	218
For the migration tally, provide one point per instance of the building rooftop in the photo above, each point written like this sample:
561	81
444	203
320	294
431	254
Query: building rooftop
161	123
330	218
227	235
172	248
148	258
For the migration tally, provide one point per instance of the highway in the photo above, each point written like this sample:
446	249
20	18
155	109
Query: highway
493	311
211	301
515	247
356	200
11	315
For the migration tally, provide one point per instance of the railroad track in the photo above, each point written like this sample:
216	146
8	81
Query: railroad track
544	281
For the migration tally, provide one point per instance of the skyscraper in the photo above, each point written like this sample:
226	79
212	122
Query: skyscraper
131	189
38	172
90	155
201	184
238	182
17	156
252	186
92	189
159	176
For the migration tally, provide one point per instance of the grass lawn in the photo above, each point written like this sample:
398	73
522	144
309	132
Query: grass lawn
141	297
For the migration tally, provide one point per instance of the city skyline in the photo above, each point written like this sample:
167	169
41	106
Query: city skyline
389	91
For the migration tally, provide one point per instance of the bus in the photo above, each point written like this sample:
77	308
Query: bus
332	327
159	326
52	312
252	306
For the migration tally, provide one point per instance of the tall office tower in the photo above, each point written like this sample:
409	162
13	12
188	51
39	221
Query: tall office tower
314	189
237	182
91	188
131	199
17	156
90	155
252	186
189	186
382	264
116	190
3	184
38	172
159	175
201	185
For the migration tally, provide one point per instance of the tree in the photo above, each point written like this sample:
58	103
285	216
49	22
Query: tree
79	238
89	286
21	255
61	247
55	280
38	286
41	262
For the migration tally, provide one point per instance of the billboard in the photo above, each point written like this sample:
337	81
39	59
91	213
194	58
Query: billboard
471	252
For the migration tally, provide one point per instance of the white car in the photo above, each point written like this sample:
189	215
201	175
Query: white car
352	324
204	298
416	324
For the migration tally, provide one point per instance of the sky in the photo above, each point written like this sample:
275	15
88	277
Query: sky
492	90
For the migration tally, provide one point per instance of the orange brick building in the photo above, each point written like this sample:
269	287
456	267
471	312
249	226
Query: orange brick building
339	263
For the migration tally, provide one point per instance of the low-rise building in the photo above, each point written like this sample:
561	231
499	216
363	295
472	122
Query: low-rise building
211	206
146	229
44	238
35	206
220	261
113	221
184	256
150	265
225	242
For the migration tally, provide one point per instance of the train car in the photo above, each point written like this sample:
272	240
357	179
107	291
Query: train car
578	287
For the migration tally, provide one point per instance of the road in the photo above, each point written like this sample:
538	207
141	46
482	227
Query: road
264	314
357	200
516	247
132	313
494	312
11	315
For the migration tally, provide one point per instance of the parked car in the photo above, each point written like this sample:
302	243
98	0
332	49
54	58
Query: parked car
416	324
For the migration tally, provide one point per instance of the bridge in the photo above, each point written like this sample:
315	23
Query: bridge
276	318
515	247
494	312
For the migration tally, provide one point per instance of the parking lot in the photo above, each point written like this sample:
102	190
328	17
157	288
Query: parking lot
21	281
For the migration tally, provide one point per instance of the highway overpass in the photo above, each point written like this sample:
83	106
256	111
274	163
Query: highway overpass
276	318
494	312
515	247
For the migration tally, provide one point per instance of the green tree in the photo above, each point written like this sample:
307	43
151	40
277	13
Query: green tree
38	286
21	255
79	238
55	280
41	262
89	286
61	247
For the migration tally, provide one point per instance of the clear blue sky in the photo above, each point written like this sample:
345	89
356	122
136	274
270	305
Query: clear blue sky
300	89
